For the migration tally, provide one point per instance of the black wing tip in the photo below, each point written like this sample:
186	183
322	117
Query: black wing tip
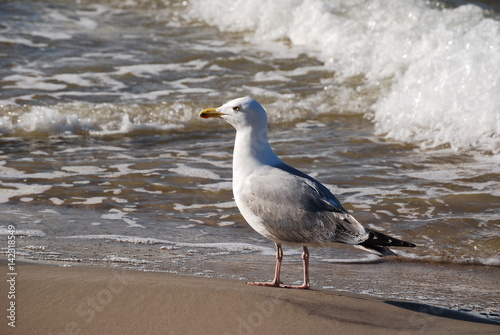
383	251
376	239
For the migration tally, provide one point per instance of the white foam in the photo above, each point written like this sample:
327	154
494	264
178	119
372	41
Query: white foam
436	70
119	200
143	190
49	120
121	259
116	214
22	232
141	70
217	154
74	79
7	172
225	223
437	175
95	119
84	170
184	170
90	201
223	185
95	148
310	124
123	169
423	75
21	41
228	204
80	18
187	226
81	182
49	211
52	35
182	208
493	261
32	83
222	205
10	190
87	23
239	247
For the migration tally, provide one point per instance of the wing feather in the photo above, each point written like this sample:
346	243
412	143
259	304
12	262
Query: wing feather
295	208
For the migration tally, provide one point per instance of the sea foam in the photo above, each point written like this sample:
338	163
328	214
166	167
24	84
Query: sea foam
436	69
94	119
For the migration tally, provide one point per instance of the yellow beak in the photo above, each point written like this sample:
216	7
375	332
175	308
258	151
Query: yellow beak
210	112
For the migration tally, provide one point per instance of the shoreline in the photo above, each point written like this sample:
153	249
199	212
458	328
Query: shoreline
51	299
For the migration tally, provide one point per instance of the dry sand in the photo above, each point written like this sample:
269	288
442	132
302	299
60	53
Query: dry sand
87	300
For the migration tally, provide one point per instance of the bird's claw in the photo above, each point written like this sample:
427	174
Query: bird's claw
304	286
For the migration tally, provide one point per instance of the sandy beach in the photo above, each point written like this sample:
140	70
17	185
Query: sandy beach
106	165
51	299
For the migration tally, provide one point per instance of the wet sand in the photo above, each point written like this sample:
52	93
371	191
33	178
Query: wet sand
88	300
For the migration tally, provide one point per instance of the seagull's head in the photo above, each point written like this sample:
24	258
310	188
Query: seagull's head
241	113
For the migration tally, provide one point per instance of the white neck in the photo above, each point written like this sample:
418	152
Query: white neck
251	150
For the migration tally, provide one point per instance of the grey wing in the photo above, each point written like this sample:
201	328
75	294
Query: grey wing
296	209
324	192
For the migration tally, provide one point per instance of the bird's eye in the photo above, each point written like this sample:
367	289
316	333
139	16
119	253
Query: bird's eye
236	108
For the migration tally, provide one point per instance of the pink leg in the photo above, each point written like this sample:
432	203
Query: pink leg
305	260
276	281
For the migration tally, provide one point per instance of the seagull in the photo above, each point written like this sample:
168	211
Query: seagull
284	204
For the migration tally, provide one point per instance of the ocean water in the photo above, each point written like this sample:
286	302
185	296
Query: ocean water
393	105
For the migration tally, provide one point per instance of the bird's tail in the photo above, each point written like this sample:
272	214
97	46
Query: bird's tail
378	243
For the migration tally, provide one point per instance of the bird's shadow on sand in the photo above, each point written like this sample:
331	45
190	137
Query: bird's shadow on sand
434	311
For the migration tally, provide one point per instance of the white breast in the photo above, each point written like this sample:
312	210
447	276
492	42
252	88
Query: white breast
253	220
